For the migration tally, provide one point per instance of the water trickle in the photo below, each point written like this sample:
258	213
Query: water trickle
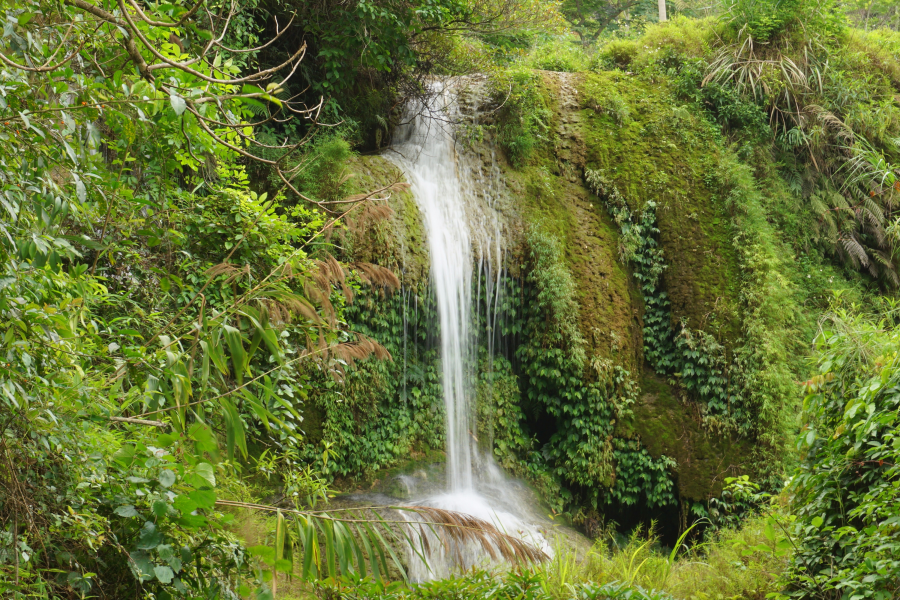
406	295
463	230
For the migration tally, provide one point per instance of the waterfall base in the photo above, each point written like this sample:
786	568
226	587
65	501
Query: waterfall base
507	504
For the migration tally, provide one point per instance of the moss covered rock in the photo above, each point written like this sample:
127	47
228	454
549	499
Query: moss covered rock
395	238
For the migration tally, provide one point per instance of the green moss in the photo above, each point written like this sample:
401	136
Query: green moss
670	427
632	130
549	192
396	242
649	150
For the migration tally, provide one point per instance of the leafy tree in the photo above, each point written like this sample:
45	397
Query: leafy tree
369	56
590	18
155	312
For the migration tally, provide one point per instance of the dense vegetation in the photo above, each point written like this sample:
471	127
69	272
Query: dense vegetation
215	309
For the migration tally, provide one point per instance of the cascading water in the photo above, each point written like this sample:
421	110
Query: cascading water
426	155
458	227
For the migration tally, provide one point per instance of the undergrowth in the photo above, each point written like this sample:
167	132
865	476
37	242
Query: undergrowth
739	563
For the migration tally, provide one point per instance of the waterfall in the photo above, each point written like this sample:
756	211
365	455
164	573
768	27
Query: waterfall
427	157
462	229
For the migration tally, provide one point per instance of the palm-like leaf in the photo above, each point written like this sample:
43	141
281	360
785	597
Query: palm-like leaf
363	541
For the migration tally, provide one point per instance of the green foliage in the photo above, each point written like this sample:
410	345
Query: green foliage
554	290
620	53
591	18
134	515
694	358
524	120
640	478
365	55
740	499
845	492
319	172
501	421
725	104
872	15
734	563
554	380
769	355
559	54
764	20
483	585
636	569
381	410
808	70
145	289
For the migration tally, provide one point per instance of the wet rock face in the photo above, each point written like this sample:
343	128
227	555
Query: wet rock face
569	146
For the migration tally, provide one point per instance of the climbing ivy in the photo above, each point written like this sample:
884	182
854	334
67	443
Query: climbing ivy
640	477
693	358
501	422
585	403
546	410
376	411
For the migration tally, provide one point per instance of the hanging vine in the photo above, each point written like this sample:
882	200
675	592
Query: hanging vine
692	359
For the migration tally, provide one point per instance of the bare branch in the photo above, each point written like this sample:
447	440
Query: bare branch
130	46
278	34
178	23
258	76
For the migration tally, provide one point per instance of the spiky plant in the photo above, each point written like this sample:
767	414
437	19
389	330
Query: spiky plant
844	141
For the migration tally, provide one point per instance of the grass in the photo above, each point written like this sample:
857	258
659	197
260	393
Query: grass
714	570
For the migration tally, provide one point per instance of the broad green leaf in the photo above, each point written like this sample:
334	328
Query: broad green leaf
205	473
127	511
166	478
164	574
141	565
149	537
201	498
178	104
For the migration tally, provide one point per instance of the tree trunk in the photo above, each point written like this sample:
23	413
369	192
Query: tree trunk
662	11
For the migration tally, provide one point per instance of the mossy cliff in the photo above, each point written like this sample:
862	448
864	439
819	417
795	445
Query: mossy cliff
632	132
652	334
394	238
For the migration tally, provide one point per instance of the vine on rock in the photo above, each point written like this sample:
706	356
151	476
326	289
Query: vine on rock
693	358
583	451
379	411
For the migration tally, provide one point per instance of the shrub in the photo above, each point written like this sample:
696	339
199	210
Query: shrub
558	55
620	52
847	491
765	20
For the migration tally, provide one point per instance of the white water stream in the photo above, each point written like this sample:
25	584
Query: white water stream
459	226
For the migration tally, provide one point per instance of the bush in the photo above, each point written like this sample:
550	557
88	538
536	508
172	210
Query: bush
765	20
847	491
620	52
558	55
